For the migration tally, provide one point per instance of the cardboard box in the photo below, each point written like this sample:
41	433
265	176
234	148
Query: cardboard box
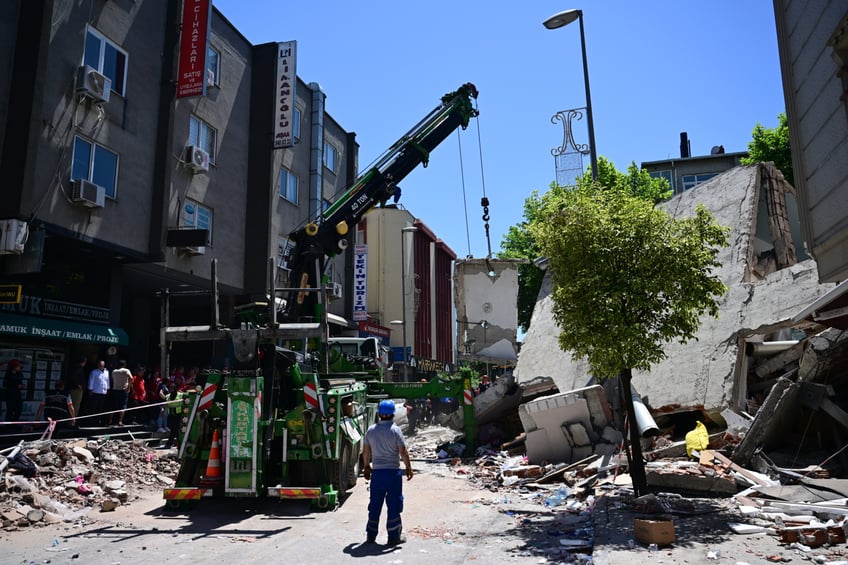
655	529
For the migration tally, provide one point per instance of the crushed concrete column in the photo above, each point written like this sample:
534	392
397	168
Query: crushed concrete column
781	396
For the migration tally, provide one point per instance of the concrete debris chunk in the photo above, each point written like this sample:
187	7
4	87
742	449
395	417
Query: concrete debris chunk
109	504
75	476
83	454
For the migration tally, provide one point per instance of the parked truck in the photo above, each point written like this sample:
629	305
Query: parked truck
288	418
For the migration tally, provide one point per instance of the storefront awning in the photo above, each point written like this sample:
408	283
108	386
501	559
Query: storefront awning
49	328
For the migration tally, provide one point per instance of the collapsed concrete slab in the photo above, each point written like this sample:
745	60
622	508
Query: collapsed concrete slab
769	276
567	427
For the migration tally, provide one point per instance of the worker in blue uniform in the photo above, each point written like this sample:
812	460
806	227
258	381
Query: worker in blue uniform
384	448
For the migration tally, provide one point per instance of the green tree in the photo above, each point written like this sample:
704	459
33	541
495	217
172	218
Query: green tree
627	279
772	144
519	243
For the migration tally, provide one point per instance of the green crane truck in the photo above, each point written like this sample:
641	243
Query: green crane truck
288	421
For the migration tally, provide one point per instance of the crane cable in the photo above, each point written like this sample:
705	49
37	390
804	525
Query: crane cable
484	201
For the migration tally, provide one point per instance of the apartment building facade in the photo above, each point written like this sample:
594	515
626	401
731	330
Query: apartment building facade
109	179
410	286
812	39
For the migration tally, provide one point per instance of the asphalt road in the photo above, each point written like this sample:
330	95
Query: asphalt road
446	520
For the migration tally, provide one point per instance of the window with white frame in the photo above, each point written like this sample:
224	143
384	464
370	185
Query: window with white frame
93	162
330	155
666	174
288	185
197	216
107	58
201	134
213	67
296	124
691	181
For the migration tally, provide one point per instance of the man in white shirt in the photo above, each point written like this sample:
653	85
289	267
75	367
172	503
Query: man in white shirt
116	402
98	388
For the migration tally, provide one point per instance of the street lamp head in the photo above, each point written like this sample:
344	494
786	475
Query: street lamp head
562	19
396	322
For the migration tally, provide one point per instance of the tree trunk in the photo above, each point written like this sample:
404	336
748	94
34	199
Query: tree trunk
637	462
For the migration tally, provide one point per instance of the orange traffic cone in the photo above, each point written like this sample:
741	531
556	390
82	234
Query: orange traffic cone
213	474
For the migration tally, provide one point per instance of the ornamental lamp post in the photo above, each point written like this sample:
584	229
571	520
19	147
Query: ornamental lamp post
562	19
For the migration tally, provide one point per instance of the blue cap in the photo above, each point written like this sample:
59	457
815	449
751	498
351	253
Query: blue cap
386	408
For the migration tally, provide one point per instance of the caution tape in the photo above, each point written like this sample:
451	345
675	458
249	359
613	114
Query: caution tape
78	418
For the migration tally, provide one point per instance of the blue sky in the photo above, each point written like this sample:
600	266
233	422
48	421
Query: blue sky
657	68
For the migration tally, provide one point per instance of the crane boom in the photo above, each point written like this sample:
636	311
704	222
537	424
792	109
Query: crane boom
316	242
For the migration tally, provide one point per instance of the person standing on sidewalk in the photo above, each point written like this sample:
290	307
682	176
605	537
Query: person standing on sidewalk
121	383
98	387
175	408
13	383
75	383
58	406
138	397
383	449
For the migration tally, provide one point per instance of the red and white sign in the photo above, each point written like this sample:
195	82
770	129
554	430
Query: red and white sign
207	397
310	395
367	329
360	283
194	37
286	83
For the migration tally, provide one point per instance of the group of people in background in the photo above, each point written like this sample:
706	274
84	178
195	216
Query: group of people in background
102	394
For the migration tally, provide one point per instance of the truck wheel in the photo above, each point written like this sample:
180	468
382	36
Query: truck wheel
355	466
341	470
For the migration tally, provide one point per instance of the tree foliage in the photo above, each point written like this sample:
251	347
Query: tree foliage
627	277
772	144
636	182
519	242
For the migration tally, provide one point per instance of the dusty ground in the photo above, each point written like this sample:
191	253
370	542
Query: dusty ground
454	514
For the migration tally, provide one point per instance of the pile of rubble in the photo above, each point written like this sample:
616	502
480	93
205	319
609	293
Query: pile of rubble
46	482
705	496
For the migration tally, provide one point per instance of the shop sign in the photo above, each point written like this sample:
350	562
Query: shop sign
10	293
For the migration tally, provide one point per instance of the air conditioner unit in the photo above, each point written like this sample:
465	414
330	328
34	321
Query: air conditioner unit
13	236
197	159
210	78
93	84
193	250
337	290
88	194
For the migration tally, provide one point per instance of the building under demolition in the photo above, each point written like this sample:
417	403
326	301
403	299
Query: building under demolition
765	330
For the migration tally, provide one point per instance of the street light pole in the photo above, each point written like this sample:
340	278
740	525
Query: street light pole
560	20
403	277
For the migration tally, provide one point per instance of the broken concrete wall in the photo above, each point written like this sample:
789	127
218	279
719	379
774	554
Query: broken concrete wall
487	311
699	375
568	426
